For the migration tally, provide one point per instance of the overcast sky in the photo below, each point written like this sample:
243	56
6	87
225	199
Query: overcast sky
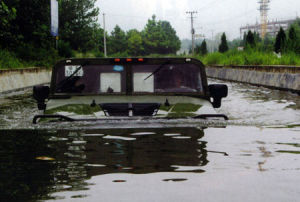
214	16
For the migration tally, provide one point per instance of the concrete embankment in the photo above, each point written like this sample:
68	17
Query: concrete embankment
277	77
15	79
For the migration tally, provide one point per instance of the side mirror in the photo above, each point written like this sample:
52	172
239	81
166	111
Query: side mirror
40	94
217	92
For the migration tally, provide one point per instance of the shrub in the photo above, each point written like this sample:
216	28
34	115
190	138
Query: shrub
213	58
122	54
9	60
37	56
98	54
64	49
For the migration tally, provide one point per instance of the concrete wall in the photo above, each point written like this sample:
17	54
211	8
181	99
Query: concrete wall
21	78
278	77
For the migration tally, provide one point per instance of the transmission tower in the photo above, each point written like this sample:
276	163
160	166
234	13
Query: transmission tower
263	8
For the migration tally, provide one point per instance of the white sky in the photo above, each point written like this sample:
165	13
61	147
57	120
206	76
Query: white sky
213	15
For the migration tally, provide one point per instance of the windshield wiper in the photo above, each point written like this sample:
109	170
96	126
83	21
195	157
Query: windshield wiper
64	81
158	69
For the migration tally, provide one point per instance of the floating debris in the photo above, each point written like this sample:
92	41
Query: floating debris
142	133
45	158
119	138
172	134
175	180
119	181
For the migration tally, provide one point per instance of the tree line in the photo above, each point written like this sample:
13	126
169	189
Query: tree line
157	37
284	42
25	32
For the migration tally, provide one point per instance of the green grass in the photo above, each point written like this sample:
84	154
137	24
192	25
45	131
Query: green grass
185	107
180	115
165	108
290	144
80	109
290	152
293	125
34	58
9	61
249	57
46	58
181	108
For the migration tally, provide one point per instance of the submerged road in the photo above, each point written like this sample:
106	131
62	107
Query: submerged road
245	105
255	158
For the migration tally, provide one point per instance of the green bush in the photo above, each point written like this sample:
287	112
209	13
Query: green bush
249	57
121	55
64	49
9	60
234	60
37	56
289	59
98	54
214	58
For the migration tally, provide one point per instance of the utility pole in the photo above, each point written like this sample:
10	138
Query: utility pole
192	29
212	40
104	36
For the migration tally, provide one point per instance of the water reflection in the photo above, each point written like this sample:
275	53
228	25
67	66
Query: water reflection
35	164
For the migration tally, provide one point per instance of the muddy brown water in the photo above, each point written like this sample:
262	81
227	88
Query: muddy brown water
255	158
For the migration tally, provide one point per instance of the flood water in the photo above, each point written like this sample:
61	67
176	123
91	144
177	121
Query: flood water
255	158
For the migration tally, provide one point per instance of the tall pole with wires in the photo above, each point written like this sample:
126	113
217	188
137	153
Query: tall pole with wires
104	36
212	41
192	29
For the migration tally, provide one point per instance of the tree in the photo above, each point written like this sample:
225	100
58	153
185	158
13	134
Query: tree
250	40
117	41
243	42
203	48
223	46
257	37
6	15
280	41
134	43
159	37
30	24
171	43
293	41
77	19
268	43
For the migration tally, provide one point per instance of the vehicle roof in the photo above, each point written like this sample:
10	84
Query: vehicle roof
133	61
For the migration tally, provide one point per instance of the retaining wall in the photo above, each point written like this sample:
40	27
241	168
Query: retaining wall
278	77
21	78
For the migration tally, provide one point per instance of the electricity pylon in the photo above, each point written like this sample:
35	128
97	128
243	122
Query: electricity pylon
263	8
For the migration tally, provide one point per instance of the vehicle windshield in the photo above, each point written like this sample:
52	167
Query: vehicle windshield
98	79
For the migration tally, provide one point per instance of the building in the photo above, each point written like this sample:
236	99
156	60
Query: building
272	27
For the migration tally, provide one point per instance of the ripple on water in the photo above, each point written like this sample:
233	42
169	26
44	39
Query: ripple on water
142	134
119	138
